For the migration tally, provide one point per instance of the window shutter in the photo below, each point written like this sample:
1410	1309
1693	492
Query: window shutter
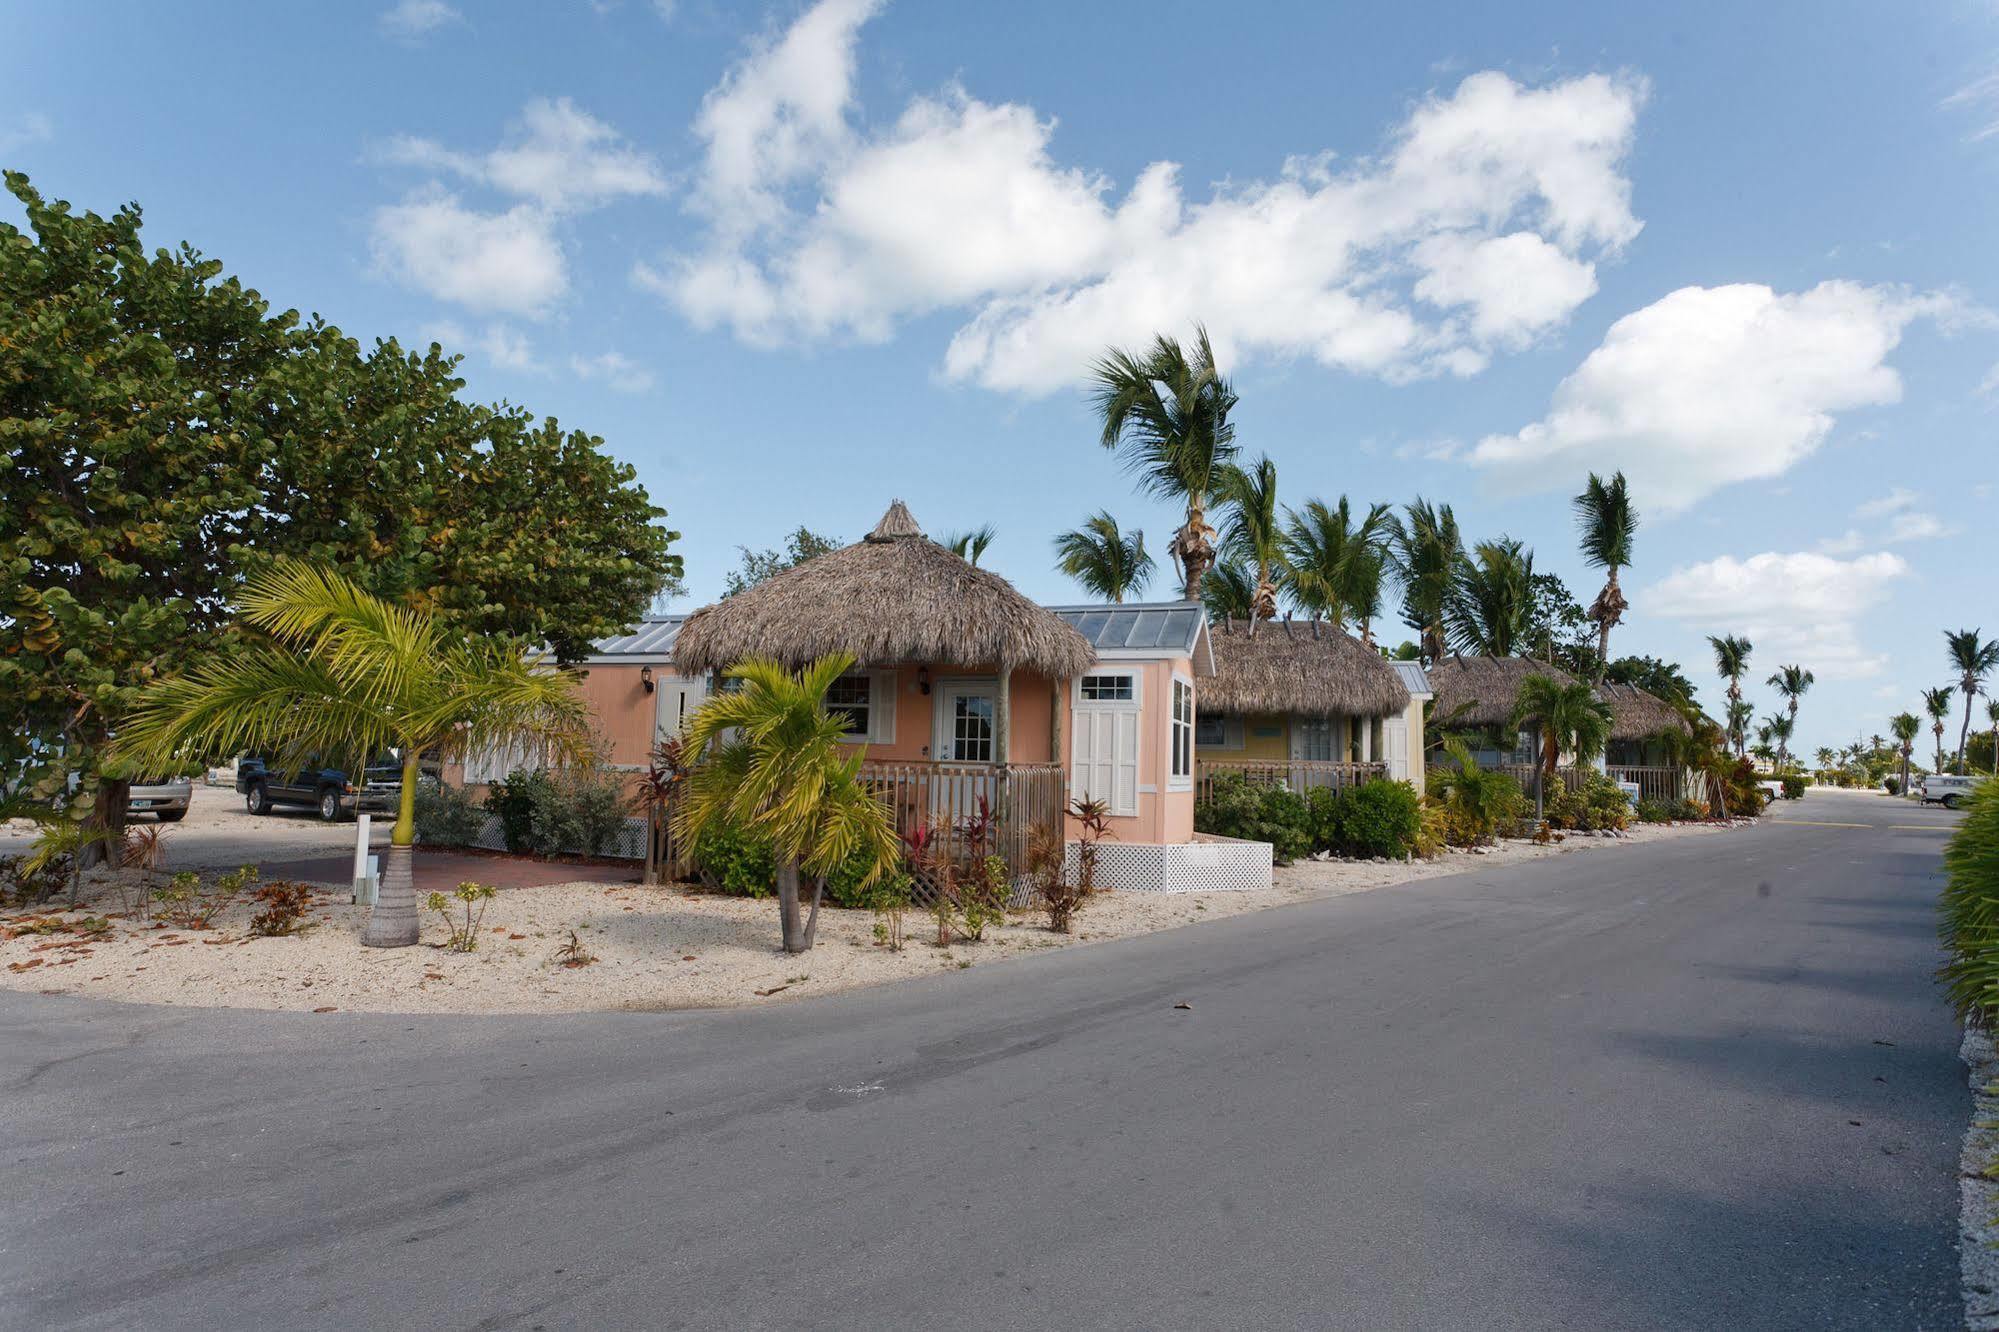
1104	764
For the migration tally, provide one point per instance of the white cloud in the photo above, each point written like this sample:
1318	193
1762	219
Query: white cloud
561	157
1906	522
666	9
506	261
1896	500
1918	527
1713	385
501	344
1799	607
1990	384
1477	227
413	19
618	372
32	127
1981	98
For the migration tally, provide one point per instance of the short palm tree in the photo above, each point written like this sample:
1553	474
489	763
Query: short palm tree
1792	682
1493	602
1334	564
1428	557
971	546
1779	727
1973	659
1110	563
771	761
346	673
1905	727
1731	662
1938	703
1567	716
1167	415
1608	522
1252	536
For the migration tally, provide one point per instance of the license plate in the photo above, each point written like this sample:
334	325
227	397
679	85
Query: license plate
142	804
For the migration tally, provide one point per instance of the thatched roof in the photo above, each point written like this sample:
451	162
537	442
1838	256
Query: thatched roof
1637	715
1482	691
893	596
1299	670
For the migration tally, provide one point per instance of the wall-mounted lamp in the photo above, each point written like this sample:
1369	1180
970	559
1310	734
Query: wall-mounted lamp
645	678
923	679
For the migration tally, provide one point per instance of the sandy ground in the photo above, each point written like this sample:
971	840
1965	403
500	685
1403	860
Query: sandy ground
656	948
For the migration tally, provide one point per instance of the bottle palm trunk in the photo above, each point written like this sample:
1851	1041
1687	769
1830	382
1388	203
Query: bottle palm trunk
394	922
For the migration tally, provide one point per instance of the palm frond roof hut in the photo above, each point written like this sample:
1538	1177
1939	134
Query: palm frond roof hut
1636	714
894	596
1483	691
1309	670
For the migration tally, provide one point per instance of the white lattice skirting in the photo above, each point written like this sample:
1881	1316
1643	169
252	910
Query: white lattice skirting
1218	866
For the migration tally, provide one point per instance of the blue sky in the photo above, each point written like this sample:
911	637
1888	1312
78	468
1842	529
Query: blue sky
793	260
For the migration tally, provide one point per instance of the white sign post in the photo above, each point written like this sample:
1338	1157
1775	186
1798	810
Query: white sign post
364	869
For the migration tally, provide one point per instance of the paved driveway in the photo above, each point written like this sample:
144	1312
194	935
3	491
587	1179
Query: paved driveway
1702	1084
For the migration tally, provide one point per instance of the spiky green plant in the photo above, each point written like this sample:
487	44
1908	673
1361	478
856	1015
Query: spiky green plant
1969	910
970	546
1110	563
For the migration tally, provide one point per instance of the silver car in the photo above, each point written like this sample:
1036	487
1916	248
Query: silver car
166	798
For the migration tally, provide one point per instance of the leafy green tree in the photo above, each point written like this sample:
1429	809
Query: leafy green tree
1608	521
1428	557
1110	563
344	672
1661	679
1731	662
1973	658
1166	415
1559	630
1491	604
1253	535
801	545
770	760
971	546
1334	563
1567	717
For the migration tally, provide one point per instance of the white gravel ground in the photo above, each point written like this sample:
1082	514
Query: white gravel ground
1978	1188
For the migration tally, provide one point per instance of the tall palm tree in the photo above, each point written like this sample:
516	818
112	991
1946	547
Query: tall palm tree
1992	715
1731	662
1167	415
345	673
1334	564
1229	592
1778	727
1792	682
1253	535
971	546
1566	717
1429	557
1938	703
1609	522
1740	712
769	759
1827	758
1905	727
1112	564
1973	660
1493	603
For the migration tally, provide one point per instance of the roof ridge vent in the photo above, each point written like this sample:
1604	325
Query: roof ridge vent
898	524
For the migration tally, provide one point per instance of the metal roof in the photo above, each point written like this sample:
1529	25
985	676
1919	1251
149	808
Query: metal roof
1159	628
1413	677
650	637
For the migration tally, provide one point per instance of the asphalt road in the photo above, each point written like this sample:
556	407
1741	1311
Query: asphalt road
1702	1084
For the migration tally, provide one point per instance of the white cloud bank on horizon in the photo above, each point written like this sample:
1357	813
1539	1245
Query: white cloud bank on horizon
1709	386
1801	607
1474	231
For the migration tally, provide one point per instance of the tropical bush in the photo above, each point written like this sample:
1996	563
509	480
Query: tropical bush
1257	812
1597	805
512	801
735	861
1794	786
284	909
1893	785
1655	811
1969	909
1476	802
446	816
544	813
1378	818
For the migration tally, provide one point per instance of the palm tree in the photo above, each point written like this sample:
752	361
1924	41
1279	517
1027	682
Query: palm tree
1167	414
1992	715
1905	726
1938	703
1333	565
1429	558
1792	682
1778	727
1740	712
1608	522
1827	759
1974	660
1565	717
1253	537
1492	605
1228	592
971	546
770	760
349	674
1110	563
1731	662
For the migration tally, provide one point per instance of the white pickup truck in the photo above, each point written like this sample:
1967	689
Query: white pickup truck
1946	790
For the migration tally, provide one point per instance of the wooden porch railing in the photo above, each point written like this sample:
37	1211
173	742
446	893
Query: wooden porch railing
1654	783
1300	775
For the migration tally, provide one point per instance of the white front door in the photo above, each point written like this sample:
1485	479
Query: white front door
1395	746
965	724
678	699
1312	739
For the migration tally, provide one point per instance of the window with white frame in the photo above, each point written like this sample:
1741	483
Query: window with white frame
1181	774
1213	732
851	697
1108	687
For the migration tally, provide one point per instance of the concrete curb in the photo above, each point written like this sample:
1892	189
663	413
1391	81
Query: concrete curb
1978	1187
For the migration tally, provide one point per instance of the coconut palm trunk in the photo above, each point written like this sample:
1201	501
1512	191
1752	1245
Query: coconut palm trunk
1194	548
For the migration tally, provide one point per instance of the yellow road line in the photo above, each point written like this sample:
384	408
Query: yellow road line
1812	823
1925	827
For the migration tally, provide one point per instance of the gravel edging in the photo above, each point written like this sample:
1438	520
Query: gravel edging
1978	1187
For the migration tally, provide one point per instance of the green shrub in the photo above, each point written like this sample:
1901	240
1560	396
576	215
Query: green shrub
446	816
1257	812
1690	810
1656	811
580	810
1794	786
1378	818
736	861
1969	908
1322	817
512	801
1476	802
1893	785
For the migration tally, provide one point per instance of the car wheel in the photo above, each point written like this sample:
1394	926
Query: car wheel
256	799
172	815
1951	802
329	806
